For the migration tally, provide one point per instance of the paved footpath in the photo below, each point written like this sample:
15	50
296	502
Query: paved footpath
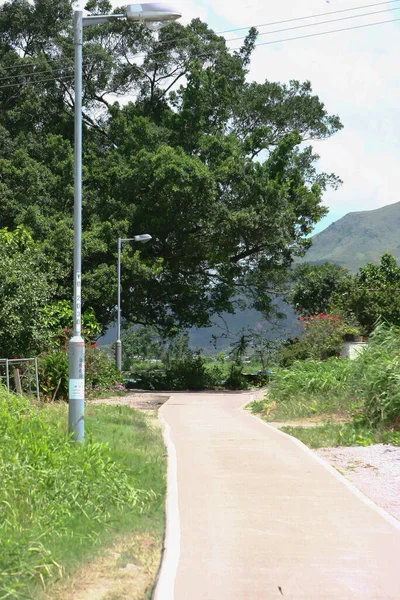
253	515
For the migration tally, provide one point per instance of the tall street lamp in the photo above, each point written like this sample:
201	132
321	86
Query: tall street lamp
118	344
155	16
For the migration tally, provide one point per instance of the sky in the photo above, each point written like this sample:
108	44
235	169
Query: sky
355	73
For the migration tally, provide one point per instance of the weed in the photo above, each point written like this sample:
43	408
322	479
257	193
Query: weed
59	500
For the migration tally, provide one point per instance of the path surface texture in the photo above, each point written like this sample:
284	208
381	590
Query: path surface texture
252	514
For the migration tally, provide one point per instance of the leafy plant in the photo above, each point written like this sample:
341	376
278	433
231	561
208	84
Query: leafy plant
101	373
377	377
53	375
53	493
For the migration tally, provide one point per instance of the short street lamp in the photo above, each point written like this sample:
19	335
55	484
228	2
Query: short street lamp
155	16
145	237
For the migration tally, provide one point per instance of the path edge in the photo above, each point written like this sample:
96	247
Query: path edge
164	586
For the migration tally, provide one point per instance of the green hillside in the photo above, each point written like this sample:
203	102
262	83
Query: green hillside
359	238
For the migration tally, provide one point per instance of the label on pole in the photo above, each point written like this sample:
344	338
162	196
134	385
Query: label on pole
76	389
78	302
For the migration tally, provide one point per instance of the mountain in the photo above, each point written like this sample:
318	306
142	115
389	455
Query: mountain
359	238
227	328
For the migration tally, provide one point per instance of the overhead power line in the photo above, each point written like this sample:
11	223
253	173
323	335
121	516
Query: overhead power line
206	55
301	37
65	78
324	14
257	26
378	12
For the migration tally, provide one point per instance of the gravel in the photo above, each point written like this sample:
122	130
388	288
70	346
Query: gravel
374	470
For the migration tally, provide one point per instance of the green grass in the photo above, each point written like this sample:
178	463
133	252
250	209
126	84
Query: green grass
308	389
333	435
365	392
61	502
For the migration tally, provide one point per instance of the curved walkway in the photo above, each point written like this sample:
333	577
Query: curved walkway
254	515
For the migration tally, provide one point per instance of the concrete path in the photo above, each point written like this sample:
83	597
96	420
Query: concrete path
253	515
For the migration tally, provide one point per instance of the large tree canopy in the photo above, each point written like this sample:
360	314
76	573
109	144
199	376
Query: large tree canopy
216	168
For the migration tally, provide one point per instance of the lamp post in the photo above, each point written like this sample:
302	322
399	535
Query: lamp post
118	344
155	16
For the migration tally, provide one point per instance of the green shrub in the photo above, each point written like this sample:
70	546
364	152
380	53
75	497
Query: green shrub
101	373
236	380
53	375
292	351
188	373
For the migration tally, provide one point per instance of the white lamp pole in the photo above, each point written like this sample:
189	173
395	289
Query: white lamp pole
118	344
155	16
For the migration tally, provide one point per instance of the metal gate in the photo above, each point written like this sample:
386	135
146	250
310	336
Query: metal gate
20	375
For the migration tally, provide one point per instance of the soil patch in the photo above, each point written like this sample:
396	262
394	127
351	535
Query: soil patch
125	571
146	401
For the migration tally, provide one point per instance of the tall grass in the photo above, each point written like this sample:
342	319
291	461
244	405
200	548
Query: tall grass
376	377
57	498
309	388
367	388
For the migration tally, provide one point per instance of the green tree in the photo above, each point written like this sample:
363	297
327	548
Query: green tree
215	167
25	289
315	288
142	343
376	294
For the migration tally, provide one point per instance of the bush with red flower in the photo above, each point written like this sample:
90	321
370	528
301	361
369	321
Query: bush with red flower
325	333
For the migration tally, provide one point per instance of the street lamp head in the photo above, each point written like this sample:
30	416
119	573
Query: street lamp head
155	15
145	237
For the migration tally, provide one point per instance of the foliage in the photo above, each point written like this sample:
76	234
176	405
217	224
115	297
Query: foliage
101	373
370	295
59	323
142	343
53	375
310	379
188	374
212	165
236	380
56	496
325	334
366	389
292	350
25	288
377	295
314	287
377	378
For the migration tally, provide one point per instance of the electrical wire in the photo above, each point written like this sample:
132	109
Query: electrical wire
334	12
302	37
295	19
378	12
25	84
321	33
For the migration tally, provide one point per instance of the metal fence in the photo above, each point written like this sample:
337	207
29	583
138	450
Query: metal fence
20	375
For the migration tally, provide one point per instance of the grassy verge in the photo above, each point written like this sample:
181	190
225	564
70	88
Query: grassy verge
329	396
333	435
61	503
